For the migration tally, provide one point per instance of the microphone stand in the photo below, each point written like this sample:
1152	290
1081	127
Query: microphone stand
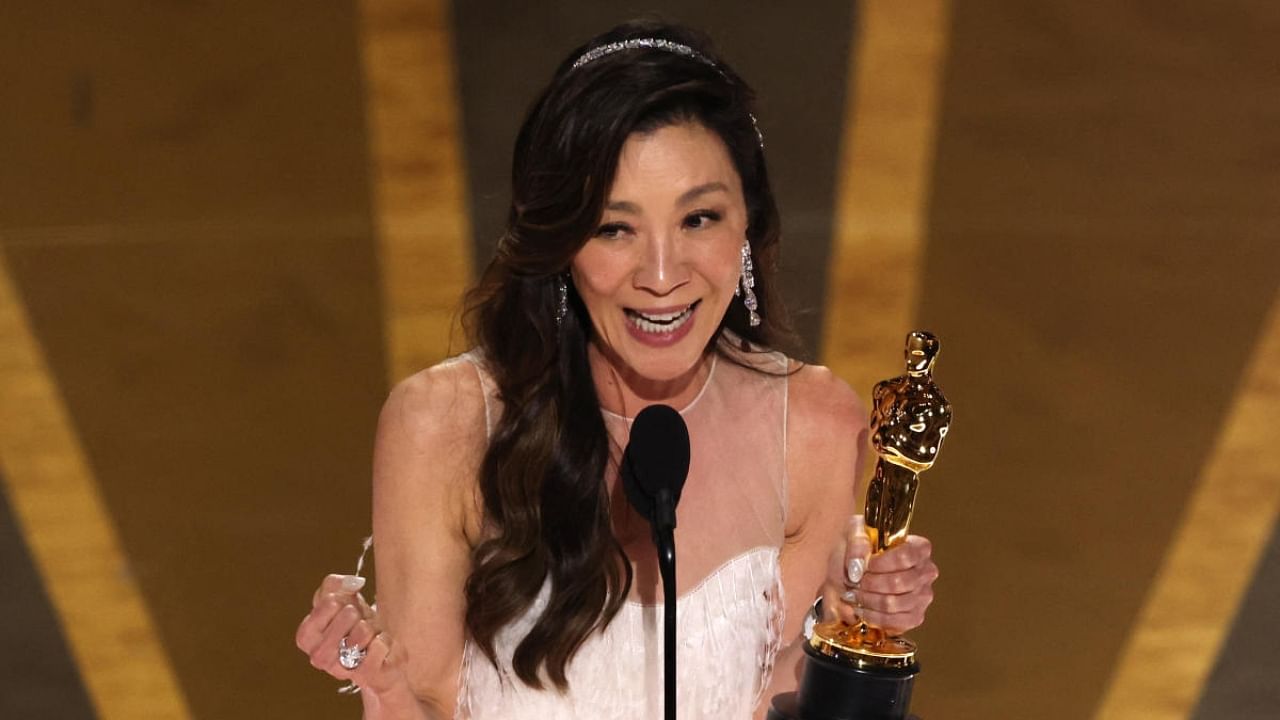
664	523
655	465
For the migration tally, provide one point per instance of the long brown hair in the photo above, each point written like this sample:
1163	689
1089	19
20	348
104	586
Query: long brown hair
545	504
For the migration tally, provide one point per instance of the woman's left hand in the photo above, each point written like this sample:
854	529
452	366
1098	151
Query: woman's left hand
891	590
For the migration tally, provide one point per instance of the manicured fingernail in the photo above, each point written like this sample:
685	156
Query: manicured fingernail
850	596
855	569
352	582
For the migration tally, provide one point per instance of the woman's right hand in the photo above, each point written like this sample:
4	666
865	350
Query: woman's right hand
338	611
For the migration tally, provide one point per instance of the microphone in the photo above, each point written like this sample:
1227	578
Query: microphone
654	468
655	465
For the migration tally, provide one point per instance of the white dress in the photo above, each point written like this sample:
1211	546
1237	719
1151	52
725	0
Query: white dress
730	526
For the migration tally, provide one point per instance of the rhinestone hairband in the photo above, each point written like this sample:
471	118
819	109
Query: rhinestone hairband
658	44
652	43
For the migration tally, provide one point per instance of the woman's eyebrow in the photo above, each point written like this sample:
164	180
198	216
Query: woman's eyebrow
623	206
703	189
626	206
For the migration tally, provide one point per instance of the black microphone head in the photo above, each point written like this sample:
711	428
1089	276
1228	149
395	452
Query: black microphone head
656	458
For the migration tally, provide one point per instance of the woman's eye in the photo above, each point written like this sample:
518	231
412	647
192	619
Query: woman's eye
701	219
611	230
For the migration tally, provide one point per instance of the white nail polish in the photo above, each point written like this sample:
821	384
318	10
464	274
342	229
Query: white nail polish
850	596
352	582
855	570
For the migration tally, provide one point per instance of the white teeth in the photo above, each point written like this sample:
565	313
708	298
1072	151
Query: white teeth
663	318
665	323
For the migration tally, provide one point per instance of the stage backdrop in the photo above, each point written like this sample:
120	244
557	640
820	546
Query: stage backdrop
228	228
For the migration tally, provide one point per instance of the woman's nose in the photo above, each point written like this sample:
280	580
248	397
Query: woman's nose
662	266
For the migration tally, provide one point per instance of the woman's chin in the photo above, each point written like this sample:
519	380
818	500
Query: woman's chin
665	365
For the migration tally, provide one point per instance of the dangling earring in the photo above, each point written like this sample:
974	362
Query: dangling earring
746	286
562	295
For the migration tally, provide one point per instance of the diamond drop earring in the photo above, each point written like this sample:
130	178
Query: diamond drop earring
746	286
562	295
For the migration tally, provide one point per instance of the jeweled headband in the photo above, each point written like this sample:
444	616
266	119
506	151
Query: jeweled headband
598	52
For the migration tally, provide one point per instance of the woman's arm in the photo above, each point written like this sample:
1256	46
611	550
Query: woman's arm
431	438
826	434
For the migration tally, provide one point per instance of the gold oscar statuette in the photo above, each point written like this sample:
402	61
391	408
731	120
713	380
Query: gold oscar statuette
909	421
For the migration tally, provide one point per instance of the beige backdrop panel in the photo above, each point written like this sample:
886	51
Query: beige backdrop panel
184	207
1101	255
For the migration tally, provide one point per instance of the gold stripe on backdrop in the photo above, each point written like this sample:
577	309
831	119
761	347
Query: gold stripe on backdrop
71	535
418	191
882	194
1230	518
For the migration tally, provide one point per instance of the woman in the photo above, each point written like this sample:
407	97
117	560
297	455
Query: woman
636	268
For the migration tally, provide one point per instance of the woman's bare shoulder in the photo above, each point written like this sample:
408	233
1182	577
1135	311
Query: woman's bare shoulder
826	437
432	435
818	398
443	403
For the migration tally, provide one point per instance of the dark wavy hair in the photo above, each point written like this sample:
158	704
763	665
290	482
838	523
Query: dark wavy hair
541	482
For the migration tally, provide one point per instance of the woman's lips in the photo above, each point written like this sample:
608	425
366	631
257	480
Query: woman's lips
659	327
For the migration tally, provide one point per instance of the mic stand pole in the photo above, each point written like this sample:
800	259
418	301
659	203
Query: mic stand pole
664	539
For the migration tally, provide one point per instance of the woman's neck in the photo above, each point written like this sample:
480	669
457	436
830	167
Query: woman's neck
624	392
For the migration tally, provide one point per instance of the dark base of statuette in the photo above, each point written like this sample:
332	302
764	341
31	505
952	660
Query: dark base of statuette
831	691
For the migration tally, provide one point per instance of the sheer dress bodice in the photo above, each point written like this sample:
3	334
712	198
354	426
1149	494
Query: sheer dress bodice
730	527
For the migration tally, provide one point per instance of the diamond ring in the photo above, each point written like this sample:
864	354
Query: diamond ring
350	656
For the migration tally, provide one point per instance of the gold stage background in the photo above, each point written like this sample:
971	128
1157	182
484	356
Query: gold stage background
228	227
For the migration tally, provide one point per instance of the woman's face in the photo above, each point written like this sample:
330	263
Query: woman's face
659	272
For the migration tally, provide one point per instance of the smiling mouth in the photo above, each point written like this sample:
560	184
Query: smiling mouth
667	322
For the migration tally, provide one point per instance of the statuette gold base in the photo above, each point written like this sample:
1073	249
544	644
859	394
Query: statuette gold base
862	646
